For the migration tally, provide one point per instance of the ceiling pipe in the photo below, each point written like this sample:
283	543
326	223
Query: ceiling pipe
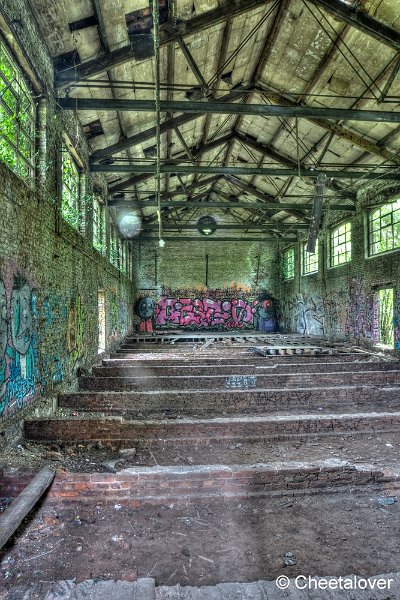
157	174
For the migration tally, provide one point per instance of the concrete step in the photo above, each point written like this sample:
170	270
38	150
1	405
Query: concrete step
143	589
176	404
389	589
120	432
221	359
263	381
196	369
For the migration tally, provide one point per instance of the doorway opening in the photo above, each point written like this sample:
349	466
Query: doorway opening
102	321
386	322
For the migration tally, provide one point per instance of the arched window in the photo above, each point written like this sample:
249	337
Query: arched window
384	228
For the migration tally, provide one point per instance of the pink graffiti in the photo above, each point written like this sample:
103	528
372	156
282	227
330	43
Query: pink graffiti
205	312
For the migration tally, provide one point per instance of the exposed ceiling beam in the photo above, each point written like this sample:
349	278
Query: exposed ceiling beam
212	238
232	108
234	226
169	34
358	18
134	140
223	170
179	191
277	206
135	180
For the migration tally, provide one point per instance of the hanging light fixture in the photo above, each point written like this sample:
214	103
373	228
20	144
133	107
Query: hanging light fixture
207	225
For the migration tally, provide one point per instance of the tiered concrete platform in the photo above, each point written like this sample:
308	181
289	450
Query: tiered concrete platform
245	454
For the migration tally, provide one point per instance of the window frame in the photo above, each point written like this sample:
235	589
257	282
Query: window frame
332	232
18	85
370	243
286	252
306	255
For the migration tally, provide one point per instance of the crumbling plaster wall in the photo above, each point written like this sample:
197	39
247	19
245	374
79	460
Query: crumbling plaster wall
50	274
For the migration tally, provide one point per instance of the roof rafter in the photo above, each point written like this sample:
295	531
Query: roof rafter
167	125
135	180
169	34
338	130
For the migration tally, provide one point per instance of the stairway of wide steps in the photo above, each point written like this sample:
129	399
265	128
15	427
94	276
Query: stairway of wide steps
203	399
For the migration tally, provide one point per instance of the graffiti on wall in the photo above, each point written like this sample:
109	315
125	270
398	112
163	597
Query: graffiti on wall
19	358
211	309
349	313
44	337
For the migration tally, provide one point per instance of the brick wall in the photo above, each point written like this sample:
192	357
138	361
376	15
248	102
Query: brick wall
142	486
206	284
49	273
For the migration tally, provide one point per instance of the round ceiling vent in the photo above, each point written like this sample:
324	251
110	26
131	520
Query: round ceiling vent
207	225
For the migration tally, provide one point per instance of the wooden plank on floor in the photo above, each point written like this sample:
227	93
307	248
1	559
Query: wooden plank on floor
23	504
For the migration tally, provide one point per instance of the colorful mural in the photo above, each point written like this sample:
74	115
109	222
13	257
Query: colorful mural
43	337
18	344
350	313
208	309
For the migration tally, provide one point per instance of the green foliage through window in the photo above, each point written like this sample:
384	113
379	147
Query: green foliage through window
70	202
384	228
288	264
113	246
340	245
310	260
99	237
386	317
17	117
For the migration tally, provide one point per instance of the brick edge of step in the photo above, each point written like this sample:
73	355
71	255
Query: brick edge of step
261	590
175	485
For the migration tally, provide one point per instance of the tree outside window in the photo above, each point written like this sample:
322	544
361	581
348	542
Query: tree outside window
384	228
288	264
310	260
17	117
340	245
99	237
70	201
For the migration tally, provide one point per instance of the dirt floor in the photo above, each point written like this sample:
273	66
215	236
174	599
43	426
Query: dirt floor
378	449
240	540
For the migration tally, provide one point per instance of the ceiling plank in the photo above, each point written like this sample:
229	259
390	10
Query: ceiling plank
357	17
338	130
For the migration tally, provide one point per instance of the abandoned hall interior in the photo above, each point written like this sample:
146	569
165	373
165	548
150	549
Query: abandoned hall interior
199	299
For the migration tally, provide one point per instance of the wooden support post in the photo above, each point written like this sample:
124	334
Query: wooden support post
23	504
